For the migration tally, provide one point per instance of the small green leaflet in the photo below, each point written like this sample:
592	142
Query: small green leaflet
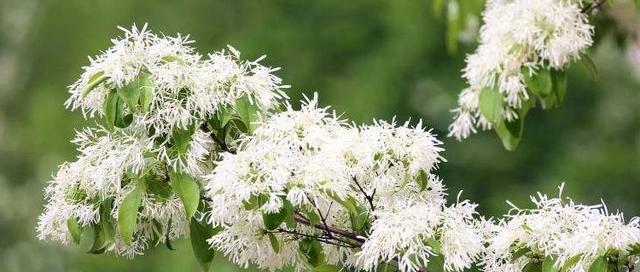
548	265
312	250
199	233
146	92
187	189
559	79
423	180
94	81
275	244
248	112
539	83
273	220
533	266
130	93
491	103
74	229
599	265
182	138
570	262
128	212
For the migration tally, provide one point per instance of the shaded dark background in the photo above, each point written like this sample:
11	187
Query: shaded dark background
368	59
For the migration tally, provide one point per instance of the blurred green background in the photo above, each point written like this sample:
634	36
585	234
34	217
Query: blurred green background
368	59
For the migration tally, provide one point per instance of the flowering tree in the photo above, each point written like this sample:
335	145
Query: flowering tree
210	148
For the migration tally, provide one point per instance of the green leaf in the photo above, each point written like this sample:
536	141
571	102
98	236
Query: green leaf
248	112
114	111
182	138
199	233
273	220
88	238
146	92
312	250
107	222
130	93
275	244
187	189
312	215
599	265
100	240
435	245
533	266
491	103
289	214
74	229
224	115
539	83
591	66
519	253
510	133
570	262
128	212
111	108
255	201
436	264
548	265
423	180
158	189
559	79
94	81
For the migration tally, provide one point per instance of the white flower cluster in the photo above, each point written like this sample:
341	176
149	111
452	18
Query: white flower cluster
518	39
163	92
315	164
570	234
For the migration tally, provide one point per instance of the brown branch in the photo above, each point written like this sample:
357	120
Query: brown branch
368	197
595	5
345	233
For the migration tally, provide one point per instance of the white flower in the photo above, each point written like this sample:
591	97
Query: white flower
560	229
517	37
310	159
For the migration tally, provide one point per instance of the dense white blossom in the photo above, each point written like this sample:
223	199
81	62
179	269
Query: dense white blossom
561	229
165	95
314	161
518	38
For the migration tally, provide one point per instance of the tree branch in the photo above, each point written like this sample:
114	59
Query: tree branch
345	233
368	197
596	4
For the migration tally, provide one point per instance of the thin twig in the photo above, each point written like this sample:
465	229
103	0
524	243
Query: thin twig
593	6
345	233
368	197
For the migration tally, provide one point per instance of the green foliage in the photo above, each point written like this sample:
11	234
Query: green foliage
74	229
423	180
247	112
187	190
599	265
128	212
94	81
491	103
275	244
199	233
548	265
312	251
